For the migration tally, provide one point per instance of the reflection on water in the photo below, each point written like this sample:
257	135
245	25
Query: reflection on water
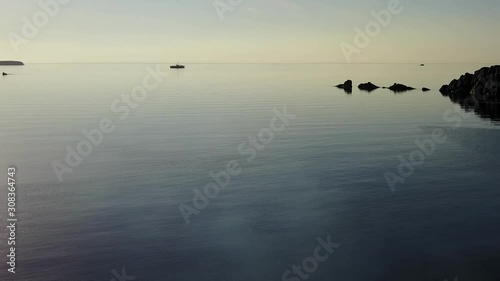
485	109
323	175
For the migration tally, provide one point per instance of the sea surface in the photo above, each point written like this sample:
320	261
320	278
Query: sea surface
323	174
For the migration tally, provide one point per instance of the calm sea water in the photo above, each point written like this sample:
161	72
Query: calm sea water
323	175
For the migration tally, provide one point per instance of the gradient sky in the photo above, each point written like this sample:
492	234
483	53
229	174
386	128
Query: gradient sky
256	31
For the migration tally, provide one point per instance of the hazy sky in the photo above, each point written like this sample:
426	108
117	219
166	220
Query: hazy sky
254	31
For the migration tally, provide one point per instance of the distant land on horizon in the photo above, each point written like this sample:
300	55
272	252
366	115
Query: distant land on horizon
10	62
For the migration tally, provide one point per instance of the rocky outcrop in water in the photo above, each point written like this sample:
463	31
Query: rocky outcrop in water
347	86
398	88
368	87
483	85
9	62
478	92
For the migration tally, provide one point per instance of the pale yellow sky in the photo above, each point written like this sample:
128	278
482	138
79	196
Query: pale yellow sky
255	31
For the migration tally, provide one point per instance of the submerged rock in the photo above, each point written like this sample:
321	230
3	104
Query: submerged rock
368	86
400	88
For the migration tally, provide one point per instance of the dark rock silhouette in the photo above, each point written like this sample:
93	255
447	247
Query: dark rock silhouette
4	74
484	85
459	87
424	89
11	63
398	88
368	87
478	92
444	90
347	86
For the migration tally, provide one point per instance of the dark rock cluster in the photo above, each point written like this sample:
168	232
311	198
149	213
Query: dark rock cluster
484	85
478	92
369	86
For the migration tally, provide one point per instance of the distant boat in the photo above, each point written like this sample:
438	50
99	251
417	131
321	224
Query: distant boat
422	64
177	66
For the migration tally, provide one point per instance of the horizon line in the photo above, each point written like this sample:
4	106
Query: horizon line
430	63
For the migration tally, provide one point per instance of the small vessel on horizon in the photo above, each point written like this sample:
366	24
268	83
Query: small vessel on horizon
177	66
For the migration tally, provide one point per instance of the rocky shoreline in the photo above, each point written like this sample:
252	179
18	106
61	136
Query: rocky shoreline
478	92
